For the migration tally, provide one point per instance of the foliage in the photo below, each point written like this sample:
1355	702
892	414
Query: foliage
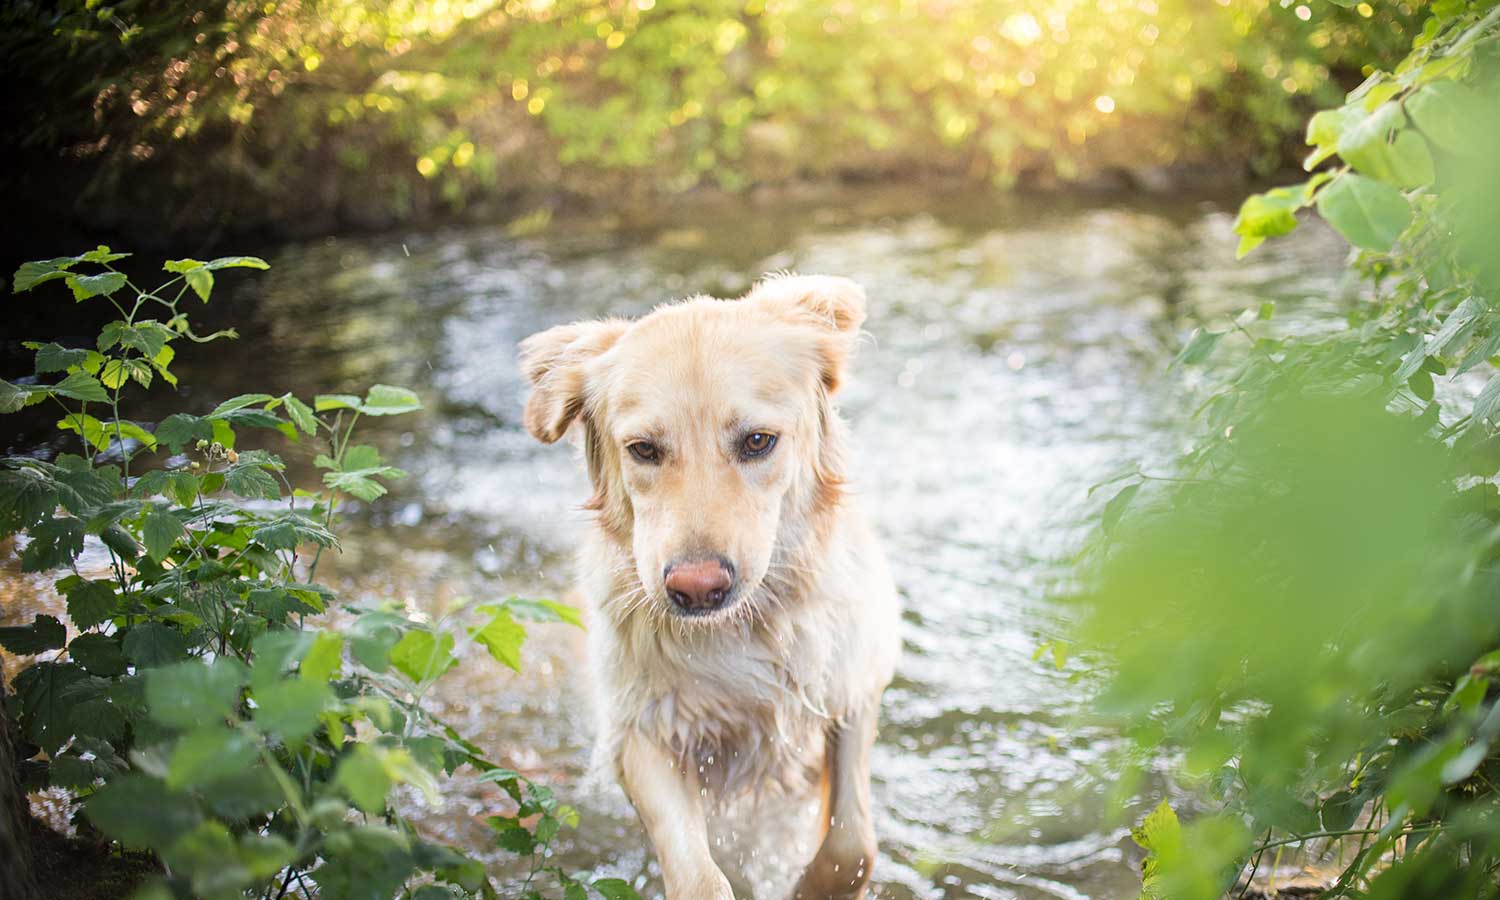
433	101
188	698
1306	608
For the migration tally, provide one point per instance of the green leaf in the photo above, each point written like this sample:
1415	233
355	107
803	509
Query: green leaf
422	656
101	254
1445	113
44	713
182	266
55	358
385	400
1378	146
615	889
1115	508
206	755
325	658
328	402
252	482
502	637
43	634
1487	404
55	542
150	644
160	530
301	414
86	286
201	281
1270	214
245	793
179	429
362	776
99	654
194	693
31	274
541	610
1199	347
239	402
117	811
90	428
81	386
237	262
1367	213
291	707
91	603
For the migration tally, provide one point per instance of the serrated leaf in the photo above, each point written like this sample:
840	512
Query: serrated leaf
251	482
301	414
324	658
615	889
201	280
361	775
193	693
237	262
99	654
206	755
421	656
291	707
37	272
116	810
1199	347
86	286
56	358
55	542
328	402
43	634
386	400
91	603
81	386
43	711
1115	508
160	531
150	644
180	429
503	638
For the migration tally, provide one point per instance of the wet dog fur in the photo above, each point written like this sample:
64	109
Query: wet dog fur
768	676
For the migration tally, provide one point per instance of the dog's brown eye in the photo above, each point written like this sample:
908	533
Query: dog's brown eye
758	443
644	451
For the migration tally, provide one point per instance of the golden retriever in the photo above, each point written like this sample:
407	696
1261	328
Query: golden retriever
744	623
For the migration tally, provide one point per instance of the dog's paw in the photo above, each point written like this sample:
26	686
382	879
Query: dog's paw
835	876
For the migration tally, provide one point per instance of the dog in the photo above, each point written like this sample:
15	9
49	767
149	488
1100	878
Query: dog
743	622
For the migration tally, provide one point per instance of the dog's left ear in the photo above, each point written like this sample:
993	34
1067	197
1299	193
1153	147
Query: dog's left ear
836	306
555	361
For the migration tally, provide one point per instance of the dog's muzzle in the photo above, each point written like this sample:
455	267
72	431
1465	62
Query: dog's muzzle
701	586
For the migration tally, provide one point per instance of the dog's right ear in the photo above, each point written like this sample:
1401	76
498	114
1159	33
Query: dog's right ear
555	361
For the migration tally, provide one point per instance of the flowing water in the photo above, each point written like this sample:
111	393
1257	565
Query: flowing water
1017	353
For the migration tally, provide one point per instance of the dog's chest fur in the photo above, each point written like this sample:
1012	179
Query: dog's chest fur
745	706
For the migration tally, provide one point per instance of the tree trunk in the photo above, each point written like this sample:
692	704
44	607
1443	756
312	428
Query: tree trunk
17	880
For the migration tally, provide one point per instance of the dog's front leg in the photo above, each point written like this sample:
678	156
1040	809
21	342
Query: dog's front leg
670	804
841	867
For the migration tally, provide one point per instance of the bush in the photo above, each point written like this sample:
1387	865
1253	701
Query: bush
435	104
1304	616
198	697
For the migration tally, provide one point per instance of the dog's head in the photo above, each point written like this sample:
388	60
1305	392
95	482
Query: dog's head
707	428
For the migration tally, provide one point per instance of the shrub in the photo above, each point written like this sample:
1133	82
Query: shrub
188	698
1304	614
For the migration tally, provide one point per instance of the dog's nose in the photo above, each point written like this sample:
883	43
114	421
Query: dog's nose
699	586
